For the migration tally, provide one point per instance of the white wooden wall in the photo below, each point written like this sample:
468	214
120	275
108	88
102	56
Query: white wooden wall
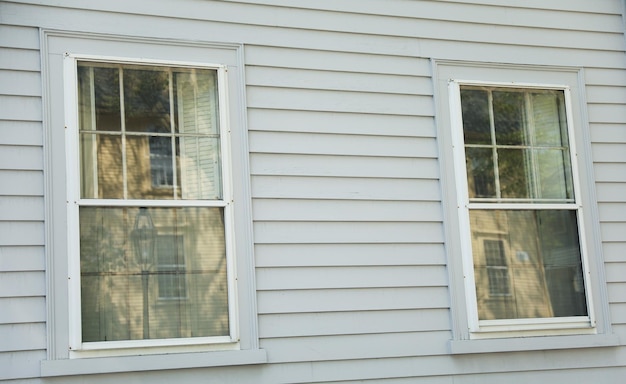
349	243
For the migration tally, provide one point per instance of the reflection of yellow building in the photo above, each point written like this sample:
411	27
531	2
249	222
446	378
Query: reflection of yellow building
112	292
540	271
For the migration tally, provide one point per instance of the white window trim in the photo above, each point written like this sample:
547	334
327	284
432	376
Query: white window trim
242	346
77	347
470	335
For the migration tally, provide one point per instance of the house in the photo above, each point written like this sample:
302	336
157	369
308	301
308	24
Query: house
275	191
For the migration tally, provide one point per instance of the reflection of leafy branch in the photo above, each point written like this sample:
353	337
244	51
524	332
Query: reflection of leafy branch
100	252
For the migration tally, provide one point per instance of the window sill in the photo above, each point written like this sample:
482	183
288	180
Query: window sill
88	366
460	347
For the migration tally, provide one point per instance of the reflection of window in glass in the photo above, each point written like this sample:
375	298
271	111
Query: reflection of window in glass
161	169
171	267
497	268
520	190
151	213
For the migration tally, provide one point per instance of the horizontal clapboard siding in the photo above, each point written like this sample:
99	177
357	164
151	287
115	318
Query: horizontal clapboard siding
22	262
348	223
344	31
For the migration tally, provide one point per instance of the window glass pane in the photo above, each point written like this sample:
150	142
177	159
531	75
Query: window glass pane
555	178
150	169
549	119
151	273
535	252
515	173
147	100
197	102
99	99
508	115
101	166
147	159
200	168
480	172
476	122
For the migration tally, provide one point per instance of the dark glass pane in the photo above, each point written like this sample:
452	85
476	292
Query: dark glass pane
508	115
480	172
476	125
99	99
514	173
147	100
541	275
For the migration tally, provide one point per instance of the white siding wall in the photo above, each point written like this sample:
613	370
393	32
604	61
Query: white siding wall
349	241
22	264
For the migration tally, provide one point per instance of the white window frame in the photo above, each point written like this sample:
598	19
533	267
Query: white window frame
469	334
66	354
482	328
74	202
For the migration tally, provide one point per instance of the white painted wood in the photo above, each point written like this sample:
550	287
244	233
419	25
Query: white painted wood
13	36
604	76
22	337
20	83
31	157
21	233
606	114
345	210
607	133
343	323
610	94
28	183
23	364
345	232
22	284
344	188
20	59
614	152
612	212
20	133
339	101
319	144
340	123
611	192
319	255
336	80
323	348
338	300
21	208
29	309
350	277
23	258
616	272
613	231
27	108
363	62
610	172
338	41
612	252
491	11
346	166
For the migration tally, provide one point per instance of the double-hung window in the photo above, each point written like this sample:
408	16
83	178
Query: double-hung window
149	250
524	254
520	191
150	207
